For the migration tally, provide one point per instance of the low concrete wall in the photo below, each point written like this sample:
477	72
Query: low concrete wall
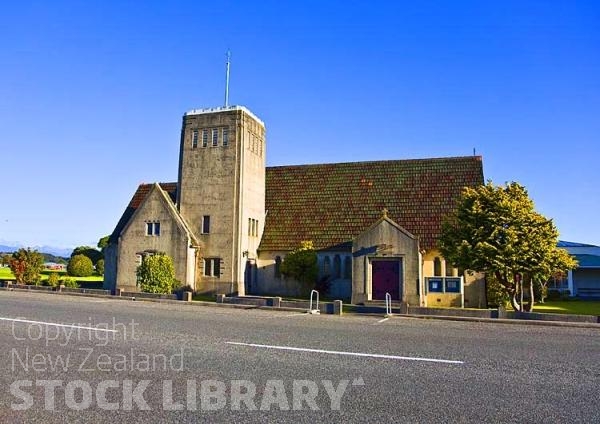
85	291
143	295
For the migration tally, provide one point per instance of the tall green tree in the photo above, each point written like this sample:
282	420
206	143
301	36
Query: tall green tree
27	265
156	274
91	252
301	265
496	230
103	242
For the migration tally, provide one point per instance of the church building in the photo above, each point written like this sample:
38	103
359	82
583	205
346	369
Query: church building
229	221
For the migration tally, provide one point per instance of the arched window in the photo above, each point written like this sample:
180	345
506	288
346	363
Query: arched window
348	268
277	266
337	266
326	266
437	267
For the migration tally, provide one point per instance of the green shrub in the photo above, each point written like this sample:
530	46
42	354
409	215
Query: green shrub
156	274
100	267
80	266
53	279
70	283
496	295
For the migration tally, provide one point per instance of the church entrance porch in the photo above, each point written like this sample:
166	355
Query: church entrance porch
386	278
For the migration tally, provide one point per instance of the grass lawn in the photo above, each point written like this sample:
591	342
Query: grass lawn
205	297
578	307
6	274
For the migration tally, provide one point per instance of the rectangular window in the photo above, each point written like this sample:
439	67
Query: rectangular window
206	224
212	267
204	138
153	228
194	139
225	136
215	137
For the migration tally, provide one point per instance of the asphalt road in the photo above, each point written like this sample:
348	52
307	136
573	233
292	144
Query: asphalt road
122	361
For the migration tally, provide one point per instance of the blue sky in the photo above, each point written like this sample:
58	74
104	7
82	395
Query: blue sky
92	94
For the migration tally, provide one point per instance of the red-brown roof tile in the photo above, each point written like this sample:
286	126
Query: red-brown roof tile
331	204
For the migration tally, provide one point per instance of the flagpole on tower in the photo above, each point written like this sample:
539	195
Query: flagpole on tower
227	79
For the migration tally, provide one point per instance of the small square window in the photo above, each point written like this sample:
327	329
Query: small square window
153	228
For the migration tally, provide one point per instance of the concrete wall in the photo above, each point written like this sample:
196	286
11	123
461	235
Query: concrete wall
266	281
401	245
133	241
226	183
340	280
474	283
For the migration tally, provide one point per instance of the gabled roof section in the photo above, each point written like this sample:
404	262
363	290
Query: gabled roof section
331	204
386	218
137	199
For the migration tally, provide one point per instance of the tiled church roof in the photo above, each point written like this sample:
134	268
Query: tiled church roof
140	194
331	204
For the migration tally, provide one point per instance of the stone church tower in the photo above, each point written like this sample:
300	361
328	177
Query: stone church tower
221	194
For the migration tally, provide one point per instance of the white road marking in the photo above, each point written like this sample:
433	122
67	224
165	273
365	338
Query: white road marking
380	321
335	352
107	330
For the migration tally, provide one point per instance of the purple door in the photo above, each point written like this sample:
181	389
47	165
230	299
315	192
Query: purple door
386	279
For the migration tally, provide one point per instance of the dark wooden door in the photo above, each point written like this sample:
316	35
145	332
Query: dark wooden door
386	279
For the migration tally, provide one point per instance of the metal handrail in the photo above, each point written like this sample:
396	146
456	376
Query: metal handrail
310	307
388	305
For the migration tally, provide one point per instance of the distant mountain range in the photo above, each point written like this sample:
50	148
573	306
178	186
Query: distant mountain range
56	251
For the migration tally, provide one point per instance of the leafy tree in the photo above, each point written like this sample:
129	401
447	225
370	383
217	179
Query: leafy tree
5	259
100	267
80	266
497	231
102	243
27	265
301	264
94	254
156	274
